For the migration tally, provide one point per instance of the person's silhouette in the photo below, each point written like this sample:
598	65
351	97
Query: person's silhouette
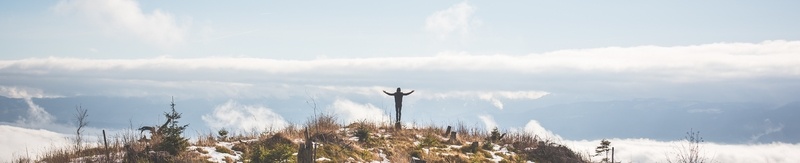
398	100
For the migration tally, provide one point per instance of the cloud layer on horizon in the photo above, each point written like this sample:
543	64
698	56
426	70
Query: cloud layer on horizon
16	141
710	69
648	150
706	71
681	63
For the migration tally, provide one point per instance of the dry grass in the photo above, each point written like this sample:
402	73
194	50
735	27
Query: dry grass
124	147
292	131
206	140
222	149
229	159
324	123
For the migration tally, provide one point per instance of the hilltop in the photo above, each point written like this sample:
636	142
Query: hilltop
334	142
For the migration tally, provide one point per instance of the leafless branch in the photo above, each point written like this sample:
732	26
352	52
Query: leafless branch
80	118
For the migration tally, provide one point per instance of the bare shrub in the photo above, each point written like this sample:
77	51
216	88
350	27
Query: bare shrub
690	151
324	123
520	140
81	122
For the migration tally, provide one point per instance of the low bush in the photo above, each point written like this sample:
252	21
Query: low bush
222	149
275	153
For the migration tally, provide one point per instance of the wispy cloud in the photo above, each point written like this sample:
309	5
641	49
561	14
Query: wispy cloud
125	16
24	92
457	19
769	128
238	117
493	97
354	112
488	122
535	128
37	117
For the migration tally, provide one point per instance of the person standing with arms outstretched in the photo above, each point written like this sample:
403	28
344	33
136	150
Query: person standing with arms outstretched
398	100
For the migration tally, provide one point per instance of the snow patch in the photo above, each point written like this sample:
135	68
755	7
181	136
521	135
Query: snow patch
382	156
215	156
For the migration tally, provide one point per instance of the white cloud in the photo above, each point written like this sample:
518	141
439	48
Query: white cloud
488	122
194	88
456	19
354	112
365	91
533	127
24	92
126	16
493	97
235	116
17	141
37	116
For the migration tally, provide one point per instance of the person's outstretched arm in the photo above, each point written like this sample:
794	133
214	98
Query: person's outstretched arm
412	91
388	93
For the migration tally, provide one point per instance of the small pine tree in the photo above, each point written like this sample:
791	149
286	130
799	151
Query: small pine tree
223	135
603	148
362	133
172	140
495	135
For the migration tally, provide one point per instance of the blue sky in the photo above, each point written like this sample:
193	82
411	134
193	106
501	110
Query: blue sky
378	29
641	73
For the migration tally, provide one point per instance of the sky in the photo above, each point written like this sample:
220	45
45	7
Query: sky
641	74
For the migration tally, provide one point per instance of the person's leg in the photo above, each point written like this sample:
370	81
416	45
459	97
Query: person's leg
399	113
398	108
